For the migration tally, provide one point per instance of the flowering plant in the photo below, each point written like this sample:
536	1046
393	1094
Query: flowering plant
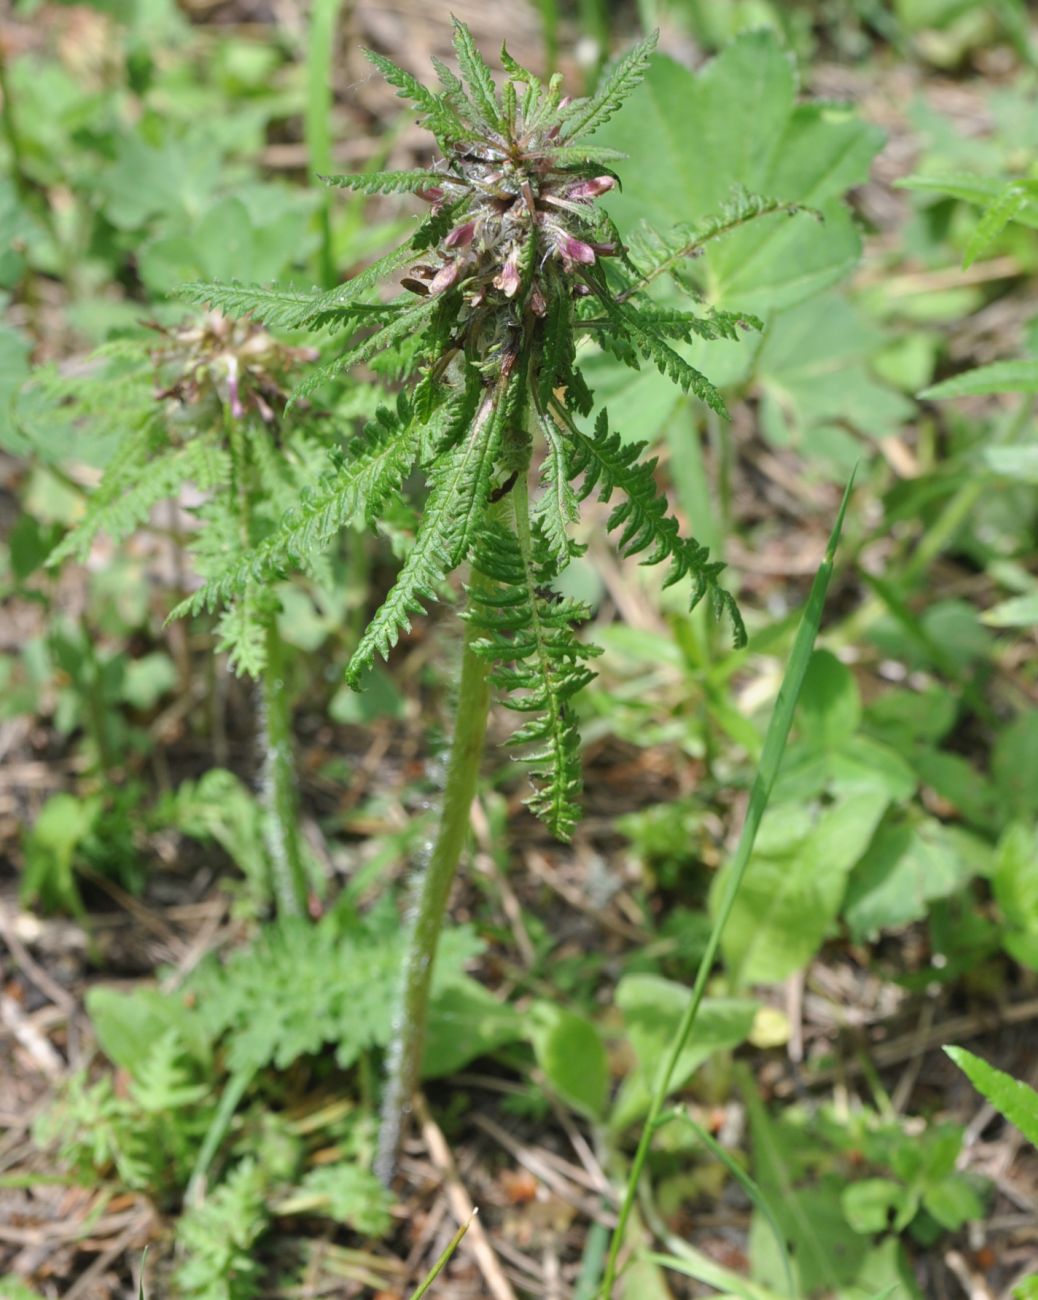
514	266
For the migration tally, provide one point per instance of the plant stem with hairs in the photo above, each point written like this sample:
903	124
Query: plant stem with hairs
432	890
284	842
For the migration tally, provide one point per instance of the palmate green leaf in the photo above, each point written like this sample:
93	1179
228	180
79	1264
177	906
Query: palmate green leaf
587	115
746	130
1011	1098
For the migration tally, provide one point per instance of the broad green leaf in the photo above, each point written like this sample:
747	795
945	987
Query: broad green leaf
830	706
885	1275
652	1009
907	867
1019	463
812	371
1014	764
465	1021
869	1204
691	138
1013	1099
794	884
1017	611
128	1025
998	377
953	1202
570	1051
1014	883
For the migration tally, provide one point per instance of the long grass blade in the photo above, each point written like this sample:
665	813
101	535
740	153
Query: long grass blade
749	1186
437	1268
771	757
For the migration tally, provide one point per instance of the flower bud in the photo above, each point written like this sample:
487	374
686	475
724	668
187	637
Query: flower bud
444	277
575	250
590	189
460	236
509	280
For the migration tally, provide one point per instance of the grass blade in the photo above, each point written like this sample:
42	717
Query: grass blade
436	1269
767	771
748	1185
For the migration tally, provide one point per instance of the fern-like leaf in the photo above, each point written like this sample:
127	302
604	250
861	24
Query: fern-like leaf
459	490
526	633
651	342
588	115
355	493
604	462
128	495
438	115
402	325
477	76
299	308
654	254
406	182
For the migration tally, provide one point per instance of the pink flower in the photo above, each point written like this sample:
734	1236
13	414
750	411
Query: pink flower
509	280
575	250
460	236
444	277
590	189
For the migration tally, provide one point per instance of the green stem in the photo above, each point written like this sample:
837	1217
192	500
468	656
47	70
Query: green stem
433	890
282	808
324	16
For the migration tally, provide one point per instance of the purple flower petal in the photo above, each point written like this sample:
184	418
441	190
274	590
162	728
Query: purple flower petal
575	250
460	236
590	189
444	277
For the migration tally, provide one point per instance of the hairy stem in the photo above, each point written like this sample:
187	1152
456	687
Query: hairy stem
279	785
432	892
